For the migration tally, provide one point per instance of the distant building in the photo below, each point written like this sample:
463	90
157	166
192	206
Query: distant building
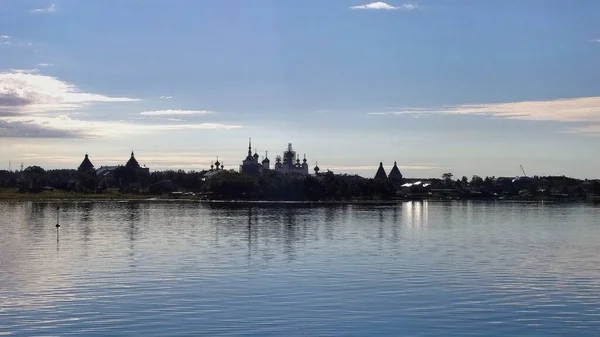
215	168
381	175
133	164
107	173
85	165
395	176
290	162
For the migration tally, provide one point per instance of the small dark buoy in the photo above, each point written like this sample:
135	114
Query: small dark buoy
57	216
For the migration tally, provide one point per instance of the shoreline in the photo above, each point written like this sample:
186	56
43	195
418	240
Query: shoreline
9	194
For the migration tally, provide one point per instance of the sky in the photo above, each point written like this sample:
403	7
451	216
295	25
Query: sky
462	86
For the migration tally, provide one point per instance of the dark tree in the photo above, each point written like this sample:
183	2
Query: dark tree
34	178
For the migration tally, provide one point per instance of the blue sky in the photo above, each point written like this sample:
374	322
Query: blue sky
469	87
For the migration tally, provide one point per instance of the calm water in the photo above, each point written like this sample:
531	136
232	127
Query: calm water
417	269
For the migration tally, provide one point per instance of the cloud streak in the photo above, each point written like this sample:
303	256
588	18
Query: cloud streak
584	110
63	126
50	9
35	105
28	92
374	167
5	37
175	112
379	5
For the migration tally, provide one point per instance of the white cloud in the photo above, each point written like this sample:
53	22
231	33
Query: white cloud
4	37
375	167
174	112
414	112
25	71
29	102
594	40
50	9
66	127
30	92
166	97
44	65
379	5
16	43
585	109
570	110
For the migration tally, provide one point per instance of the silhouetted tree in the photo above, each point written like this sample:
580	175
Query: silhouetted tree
34	178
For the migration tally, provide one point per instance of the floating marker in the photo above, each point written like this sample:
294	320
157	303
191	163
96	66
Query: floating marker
57	216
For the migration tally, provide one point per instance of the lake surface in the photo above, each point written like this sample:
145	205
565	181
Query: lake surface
414	269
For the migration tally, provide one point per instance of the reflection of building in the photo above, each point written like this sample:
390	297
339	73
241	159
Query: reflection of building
290	162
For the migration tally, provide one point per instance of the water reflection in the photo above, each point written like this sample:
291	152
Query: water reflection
416	214
423	268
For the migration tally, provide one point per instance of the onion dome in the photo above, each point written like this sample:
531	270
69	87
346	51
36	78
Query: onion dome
266	160
212	166
317	169
217	164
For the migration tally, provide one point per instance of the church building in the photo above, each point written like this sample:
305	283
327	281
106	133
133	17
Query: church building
290	162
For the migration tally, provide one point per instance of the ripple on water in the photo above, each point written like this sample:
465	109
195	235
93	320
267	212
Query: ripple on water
419	269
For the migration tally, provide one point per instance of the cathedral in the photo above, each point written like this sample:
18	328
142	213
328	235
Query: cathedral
289	163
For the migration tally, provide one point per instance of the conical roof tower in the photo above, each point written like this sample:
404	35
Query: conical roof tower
380	175
395	174
86	164
132	162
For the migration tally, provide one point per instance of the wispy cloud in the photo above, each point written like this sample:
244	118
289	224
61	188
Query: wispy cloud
570	110
594	41
30	92
585	109
45	65
25	71
175	112
9	42
65	127
50	9
414	112
5	37
379	5
166	97
374	167
29	103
